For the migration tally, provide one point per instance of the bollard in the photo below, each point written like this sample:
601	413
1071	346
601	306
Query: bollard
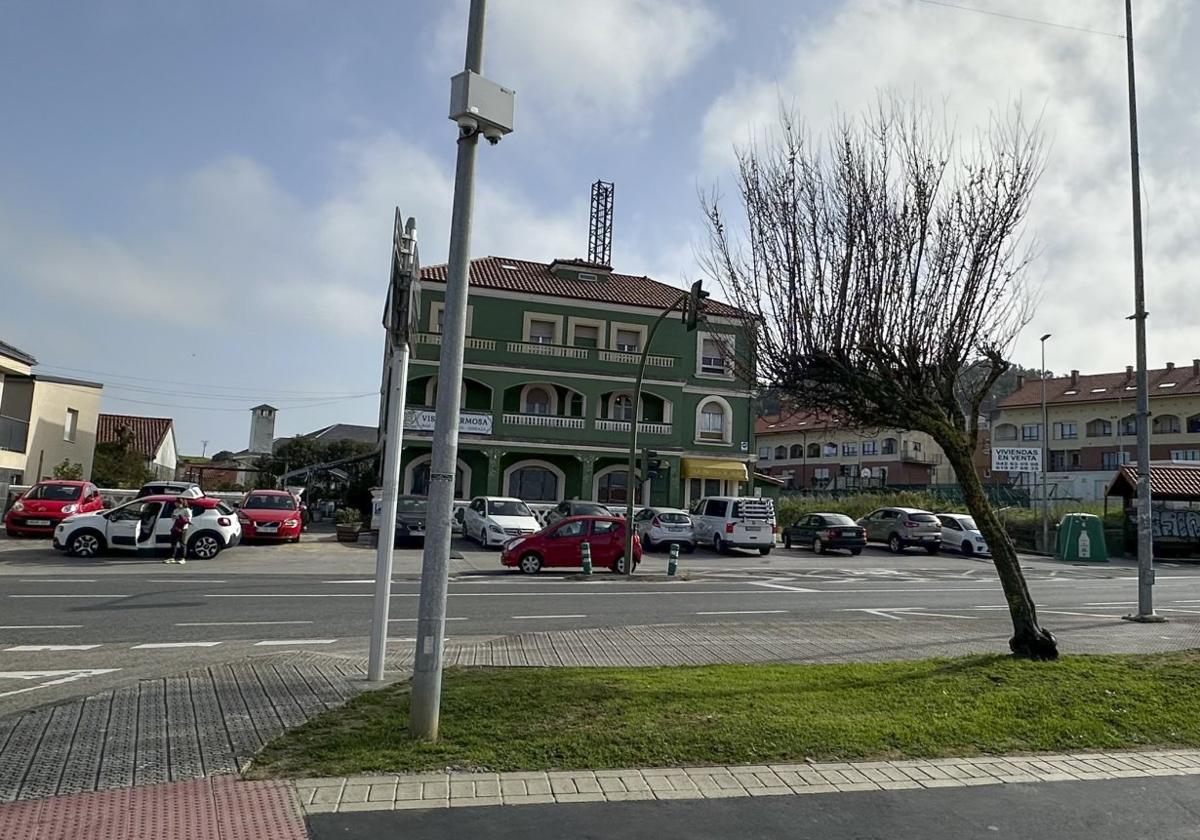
585	550
673	560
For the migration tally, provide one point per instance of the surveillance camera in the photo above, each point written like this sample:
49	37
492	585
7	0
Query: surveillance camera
492	135
467	126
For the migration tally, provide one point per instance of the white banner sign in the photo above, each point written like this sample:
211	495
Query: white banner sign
1017	459
469	422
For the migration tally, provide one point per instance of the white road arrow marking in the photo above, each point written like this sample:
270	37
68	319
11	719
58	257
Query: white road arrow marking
61	678
887	612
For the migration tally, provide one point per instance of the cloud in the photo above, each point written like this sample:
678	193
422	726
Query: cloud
977	64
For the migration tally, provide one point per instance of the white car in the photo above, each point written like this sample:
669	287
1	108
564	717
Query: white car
492	520
144	525
658	527
726	522
959	533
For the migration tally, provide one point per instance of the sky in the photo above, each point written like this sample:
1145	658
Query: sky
196	199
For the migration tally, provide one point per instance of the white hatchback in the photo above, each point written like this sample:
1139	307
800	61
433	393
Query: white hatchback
492	520
144	525
657	527
960	533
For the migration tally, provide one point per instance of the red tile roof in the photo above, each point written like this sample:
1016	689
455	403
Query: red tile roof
1105	387
800	421
535	278
148	432
1168	482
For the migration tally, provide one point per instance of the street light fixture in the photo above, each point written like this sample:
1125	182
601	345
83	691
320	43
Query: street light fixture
1045	453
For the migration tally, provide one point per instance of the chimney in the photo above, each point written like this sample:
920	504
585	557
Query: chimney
1020	381
1170	366
1074	379
1128	374
1195	367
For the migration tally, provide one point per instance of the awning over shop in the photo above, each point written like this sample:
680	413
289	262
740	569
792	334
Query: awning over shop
706	468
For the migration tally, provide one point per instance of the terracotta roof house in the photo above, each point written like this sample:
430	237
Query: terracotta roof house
152	437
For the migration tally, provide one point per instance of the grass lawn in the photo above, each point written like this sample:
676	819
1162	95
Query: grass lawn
570	718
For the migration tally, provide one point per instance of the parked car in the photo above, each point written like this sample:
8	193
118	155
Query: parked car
144	525
826	531
561	544
574	507
662	526
494	520
171	488
901	528
726	522
960	533
410	520
271	515
47	503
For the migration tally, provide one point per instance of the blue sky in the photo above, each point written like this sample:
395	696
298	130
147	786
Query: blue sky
196	199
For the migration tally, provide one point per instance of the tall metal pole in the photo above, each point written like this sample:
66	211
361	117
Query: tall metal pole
431	615
1045	454
1145	539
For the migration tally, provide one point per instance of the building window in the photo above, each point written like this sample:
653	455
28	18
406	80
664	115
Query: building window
1185	454
437	316
1031	431
814	450
764	453
889	446
1066	431
712	356
587	335
419	484
533	484
797	451
701	487
1128	425
1193	424
612	488
1005	431
537	401
628	341
541	332
849	449
780	453
915	444
821	473
1113	460
1063	459
1099	428
869	447
1166	424
829	450
622	408
712	421
70	425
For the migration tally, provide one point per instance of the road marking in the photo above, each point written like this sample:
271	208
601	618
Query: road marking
741	612
49	579
1063	612
31	648
63	678
588	591
459	618
164	645
277	642
782	586
568	615
1114	603
886	612
109	595
40	626
182	580
234	623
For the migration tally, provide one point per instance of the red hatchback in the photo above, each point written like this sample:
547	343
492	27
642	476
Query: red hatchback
561	545
47	503
271	515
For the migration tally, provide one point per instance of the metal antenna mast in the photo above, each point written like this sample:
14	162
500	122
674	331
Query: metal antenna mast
600	224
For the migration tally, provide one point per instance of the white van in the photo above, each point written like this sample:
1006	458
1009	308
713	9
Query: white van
726	522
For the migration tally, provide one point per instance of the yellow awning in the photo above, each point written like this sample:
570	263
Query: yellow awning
706	468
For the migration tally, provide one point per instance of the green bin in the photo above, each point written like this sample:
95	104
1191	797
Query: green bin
1081	539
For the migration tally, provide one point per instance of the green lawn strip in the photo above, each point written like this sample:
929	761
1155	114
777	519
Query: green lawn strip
572	718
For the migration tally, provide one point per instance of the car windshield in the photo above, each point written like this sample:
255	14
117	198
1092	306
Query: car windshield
55	493
920	517
838	519
508	508
968	523
271	502
674	518
411	505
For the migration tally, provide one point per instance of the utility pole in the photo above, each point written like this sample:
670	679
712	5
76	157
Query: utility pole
1045	454
399	318
477	106
1145	539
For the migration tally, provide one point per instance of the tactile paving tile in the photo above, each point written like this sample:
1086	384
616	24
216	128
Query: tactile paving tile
20	751
215	752
120	741
52	751
152	755
83	764
256	810
183	745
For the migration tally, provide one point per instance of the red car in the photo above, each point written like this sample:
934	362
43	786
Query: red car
271	515
560	545
47	503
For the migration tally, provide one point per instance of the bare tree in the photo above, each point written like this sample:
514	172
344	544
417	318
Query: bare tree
879	266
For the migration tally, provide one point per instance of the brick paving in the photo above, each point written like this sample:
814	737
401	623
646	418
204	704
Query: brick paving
461	790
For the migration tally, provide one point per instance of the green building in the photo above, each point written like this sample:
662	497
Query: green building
549	366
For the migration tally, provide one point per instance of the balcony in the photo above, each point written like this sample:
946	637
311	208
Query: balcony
560	351
623	358
545	421
470	343
918	456
644	428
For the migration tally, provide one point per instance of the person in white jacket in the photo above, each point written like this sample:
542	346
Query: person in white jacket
179	528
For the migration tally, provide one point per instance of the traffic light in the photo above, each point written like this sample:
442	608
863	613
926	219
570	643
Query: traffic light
650	464
695	305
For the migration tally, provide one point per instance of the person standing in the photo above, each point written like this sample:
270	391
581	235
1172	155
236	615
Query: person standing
179	529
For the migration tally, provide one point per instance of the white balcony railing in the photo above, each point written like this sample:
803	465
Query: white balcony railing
470	343
633	358
556	350
644	428
544	421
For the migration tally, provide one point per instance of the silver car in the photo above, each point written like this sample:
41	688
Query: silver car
659	526
902	528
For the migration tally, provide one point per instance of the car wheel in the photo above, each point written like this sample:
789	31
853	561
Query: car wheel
11	533
967	548
85	544
787	541
765	550
855	551
818	546
204	546
718	544
531	564
295	540
618	565
895	544
933	549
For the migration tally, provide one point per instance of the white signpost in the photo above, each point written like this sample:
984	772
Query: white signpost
1021	459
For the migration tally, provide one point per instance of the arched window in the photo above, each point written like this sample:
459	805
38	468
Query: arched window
713	422
814	450
797	451
1128	425
612	487
537	401
1099	428
889	444
533	484
621	408
780	453
419	480
829	449
1166	424
1193	424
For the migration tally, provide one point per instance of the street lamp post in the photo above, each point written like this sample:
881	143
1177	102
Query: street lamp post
1045	454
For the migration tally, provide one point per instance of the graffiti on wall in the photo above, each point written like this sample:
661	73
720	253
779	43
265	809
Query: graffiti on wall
1175	524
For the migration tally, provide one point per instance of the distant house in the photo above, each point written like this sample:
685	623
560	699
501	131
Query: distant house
44	420
153	438
339	432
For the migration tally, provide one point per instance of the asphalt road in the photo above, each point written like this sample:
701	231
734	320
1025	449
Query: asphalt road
1164	808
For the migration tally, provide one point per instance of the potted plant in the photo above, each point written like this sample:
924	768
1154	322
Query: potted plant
349	523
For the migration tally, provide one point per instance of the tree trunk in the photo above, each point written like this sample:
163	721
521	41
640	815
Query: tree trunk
1030	640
